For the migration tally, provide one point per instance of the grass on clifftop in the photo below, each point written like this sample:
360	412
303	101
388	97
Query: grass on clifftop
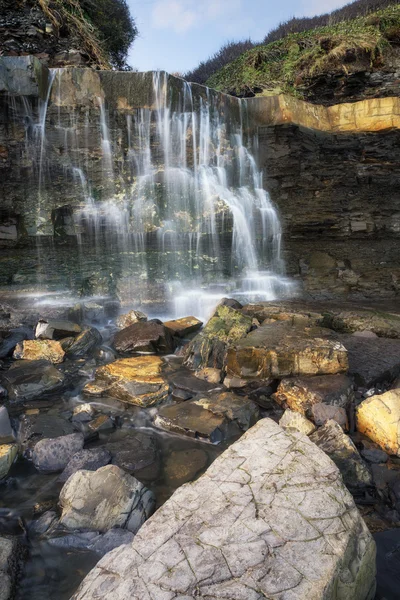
285	65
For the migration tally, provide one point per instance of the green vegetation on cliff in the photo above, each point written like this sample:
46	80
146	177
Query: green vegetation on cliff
103	29
288	64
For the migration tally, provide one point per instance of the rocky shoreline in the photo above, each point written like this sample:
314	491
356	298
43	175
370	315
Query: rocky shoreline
105	415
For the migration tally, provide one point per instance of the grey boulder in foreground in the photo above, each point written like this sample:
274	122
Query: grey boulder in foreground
270	518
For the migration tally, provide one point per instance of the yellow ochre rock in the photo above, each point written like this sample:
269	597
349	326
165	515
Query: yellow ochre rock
378	418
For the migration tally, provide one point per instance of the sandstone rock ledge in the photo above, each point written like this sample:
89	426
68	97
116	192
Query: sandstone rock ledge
270	518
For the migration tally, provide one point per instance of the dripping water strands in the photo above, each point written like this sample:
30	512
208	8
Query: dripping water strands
180	218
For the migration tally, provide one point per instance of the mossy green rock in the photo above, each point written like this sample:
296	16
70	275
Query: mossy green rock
208	348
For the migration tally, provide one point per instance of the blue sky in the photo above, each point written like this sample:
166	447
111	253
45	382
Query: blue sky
176	34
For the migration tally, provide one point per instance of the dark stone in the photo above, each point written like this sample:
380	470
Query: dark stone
388	564
374	455
146	337
372	361
89	460
28	380
52	455
9	339
83	345
134	452
339	447
34	428
232	303
185	380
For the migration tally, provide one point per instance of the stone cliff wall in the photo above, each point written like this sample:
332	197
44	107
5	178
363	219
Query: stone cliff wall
333	172
339	200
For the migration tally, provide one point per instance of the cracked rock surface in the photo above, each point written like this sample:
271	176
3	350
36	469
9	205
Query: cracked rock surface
270	518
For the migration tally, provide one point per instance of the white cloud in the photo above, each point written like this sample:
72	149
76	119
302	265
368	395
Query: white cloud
183	15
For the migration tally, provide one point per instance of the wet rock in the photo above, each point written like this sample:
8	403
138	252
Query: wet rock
105	355
183	465
111	539
374	455
296	421
213	538
321	413
183	327
52	455
10	558
210	375
83	345
35	427
93	312
40	350
349	321
372	361
208	348
387	562
232	303
338	446
365	334
101	423
46	522
56	330
378	418
214	418
133	316
8	453
87	460
6	431
187	381
301	393
293	313
29	380
134	452
136	380
83	413
281	350
10	338
144	337
103	499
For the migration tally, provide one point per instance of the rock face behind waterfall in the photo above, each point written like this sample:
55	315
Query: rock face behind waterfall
270	518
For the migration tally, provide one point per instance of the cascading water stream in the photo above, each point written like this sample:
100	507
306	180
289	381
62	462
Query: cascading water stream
181	214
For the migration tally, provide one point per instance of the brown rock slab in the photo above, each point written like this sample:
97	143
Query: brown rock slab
350	321
214	418
147	337
50	350
301	393
321	413
378	418
136	380
133	316
282	350
184	326
29	380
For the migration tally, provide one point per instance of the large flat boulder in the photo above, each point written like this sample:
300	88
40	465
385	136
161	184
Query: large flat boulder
383	324
283	350
214	418
136	380
270	518
378	418
50	350
208	348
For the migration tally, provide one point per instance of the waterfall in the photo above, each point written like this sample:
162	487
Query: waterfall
180	216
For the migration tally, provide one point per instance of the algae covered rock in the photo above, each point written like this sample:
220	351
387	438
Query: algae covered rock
208	348
378	418
137	380
8	453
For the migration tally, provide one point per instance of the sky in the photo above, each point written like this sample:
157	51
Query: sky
175	35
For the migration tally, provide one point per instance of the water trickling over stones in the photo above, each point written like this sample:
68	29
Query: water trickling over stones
150	187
